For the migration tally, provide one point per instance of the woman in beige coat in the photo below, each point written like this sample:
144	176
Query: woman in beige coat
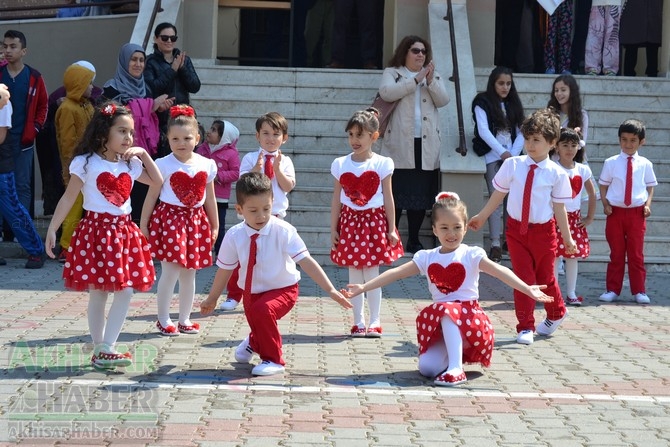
412	137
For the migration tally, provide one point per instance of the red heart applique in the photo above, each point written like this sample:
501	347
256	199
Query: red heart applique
189	190
115	189
447	279
576	184
360	189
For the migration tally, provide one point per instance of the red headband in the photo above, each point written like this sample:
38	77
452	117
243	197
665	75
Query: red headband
181	110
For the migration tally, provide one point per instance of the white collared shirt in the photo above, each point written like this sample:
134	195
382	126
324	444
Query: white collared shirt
550	185
613	176
280	197
279	247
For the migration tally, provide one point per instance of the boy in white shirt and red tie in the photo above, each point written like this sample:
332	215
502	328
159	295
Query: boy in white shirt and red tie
538	189
626	188
267	250
271	133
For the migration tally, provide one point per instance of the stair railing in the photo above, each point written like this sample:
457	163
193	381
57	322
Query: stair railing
462	145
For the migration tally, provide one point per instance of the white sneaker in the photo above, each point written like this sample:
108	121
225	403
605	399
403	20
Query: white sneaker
267	368
548	327
525	337
229	304
608	297
243	352
642	298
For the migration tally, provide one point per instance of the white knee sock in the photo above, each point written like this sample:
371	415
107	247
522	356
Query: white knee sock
454	344
117	315
97	299
374	296
165	290
356	277
571	267
434	361
186	295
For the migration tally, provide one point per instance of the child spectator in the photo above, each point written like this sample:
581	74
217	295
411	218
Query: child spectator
626	188
221	146
570	153
452	270
362	217
498	114
270	290
11	209
72	117
271	133
182	227
538	190
103	170
602	41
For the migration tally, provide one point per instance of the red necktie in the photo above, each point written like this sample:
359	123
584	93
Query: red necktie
629	183
527	192
269	168
250	265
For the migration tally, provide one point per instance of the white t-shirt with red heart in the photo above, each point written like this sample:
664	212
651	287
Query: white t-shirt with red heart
107	184
451	276
579	175
185	184
362	181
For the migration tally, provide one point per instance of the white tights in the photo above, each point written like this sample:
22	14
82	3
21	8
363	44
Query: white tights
444	356
107	330
170	273
361	276
571	269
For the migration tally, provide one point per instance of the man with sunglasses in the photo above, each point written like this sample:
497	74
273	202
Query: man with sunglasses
169	71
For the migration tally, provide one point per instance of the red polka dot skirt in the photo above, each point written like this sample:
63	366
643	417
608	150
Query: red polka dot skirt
363	241
474	325
108	253
181	235
579	235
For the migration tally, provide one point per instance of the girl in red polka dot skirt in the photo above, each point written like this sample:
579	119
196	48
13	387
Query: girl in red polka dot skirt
454	329
108	253
570	155
362	220
183	227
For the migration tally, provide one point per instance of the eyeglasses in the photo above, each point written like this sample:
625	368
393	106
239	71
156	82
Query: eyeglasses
418	50
173	39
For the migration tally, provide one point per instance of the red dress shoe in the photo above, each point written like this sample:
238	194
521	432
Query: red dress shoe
374	332
357	331
170	330
109	360
192	328
445	379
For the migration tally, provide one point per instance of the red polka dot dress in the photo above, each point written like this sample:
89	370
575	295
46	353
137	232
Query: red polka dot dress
579	176
107	252
453	280
362	224
179	229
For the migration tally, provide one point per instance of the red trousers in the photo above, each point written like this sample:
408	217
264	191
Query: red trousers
263	310
624	230
533	255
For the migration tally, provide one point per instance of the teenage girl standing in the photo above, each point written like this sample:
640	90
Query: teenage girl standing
107	253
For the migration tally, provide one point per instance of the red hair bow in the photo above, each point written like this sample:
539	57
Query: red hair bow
108	110
181	110
446	195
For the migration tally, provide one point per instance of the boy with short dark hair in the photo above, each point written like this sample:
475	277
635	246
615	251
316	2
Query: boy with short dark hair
267	250
538	190
626	188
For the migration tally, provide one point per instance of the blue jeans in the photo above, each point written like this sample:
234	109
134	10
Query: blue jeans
17	216
23	169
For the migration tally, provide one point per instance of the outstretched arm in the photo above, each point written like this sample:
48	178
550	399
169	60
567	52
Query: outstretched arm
509	277
220	281
477	221
314	270
389	276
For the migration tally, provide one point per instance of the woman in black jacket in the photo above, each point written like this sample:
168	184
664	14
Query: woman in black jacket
169	71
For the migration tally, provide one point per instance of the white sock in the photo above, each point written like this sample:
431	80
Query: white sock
454	344
374	296
97	300
356	277
186	295
165	290
571	267
117	315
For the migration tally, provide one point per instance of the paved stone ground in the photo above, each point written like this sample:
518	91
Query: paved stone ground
601	380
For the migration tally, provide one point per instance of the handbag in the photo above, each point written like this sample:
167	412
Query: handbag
385	110
480	147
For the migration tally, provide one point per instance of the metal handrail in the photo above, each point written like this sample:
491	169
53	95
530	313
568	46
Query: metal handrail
66	5
157	8
462	145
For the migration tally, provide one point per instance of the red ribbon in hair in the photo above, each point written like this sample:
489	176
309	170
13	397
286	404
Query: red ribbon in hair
446	195
181	110
108	110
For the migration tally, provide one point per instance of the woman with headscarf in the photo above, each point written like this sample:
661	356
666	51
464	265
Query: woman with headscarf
128	87
412	137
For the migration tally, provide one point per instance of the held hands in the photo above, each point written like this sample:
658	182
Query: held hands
353	290
208	305
340	298
535	292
